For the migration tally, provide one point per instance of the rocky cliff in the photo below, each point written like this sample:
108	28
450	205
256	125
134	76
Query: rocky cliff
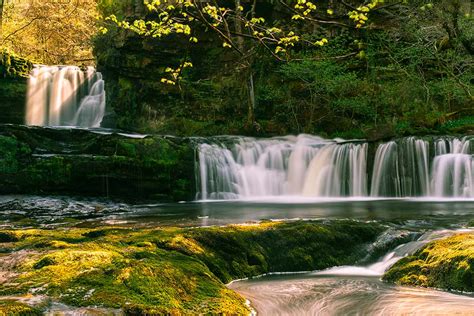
78	162
13	81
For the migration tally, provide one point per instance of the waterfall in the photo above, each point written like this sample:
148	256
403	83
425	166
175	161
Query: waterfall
303	165
401	169
65	96
310	166
453	168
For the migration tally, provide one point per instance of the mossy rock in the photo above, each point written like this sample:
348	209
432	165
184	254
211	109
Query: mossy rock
176	270
14	308
447	264
48	161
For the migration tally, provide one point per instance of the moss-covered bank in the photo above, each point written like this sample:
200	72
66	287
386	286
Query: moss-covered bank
447	264
78	162
170	271
14	72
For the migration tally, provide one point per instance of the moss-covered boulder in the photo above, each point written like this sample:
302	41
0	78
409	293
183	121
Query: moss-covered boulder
12	307
14	72
447	264
173	270
78	162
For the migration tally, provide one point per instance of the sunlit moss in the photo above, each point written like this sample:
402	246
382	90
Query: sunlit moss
175	270
14	308
447	263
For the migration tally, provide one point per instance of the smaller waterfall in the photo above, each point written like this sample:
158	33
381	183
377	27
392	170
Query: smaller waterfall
65	96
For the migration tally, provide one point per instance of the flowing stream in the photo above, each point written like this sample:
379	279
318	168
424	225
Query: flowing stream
348	290
352	290
310	166
65	96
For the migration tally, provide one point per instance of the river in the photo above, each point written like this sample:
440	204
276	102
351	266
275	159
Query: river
354	290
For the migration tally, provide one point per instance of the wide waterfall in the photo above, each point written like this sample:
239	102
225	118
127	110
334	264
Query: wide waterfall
310	166
65	96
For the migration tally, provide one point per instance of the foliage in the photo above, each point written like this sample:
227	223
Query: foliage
13	66
236	22
405	70
50	31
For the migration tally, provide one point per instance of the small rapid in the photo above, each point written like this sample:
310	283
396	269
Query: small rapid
352	290
378	268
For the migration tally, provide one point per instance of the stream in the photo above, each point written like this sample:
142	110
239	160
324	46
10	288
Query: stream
353	290
350	290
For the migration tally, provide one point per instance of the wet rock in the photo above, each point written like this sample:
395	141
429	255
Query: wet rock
95	163
447	263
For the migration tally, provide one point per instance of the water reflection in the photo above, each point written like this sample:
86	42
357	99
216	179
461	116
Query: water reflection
15	210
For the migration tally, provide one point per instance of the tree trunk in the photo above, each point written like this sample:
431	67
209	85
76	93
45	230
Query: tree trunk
251	110
238	26
2	3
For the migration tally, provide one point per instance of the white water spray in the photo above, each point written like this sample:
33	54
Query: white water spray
309	166
303	165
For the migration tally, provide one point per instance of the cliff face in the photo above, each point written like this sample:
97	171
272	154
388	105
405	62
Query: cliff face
211	98
76	162
14	72
350	88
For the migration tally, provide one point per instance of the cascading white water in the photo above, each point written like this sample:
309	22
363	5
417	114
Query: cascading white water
453	168
303	165
310	166
401	169
65	96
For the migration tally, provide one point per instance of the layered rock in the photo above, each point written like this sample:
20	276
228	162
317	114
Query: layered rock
14	72
79	162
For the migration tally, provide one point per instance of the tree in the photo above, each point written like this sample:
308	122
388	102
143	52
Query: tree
242	30
2	4
50	31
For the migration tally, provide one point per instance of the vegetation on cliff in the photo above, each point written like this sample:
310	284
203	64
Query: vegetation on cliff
379	69
407	70
46	161
446	264
14	71
156	271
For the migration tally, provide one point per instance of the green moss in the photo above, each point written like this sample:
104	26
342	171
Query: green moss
173	270
14	308
446	264
14	66
8	237
78	162
11	154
